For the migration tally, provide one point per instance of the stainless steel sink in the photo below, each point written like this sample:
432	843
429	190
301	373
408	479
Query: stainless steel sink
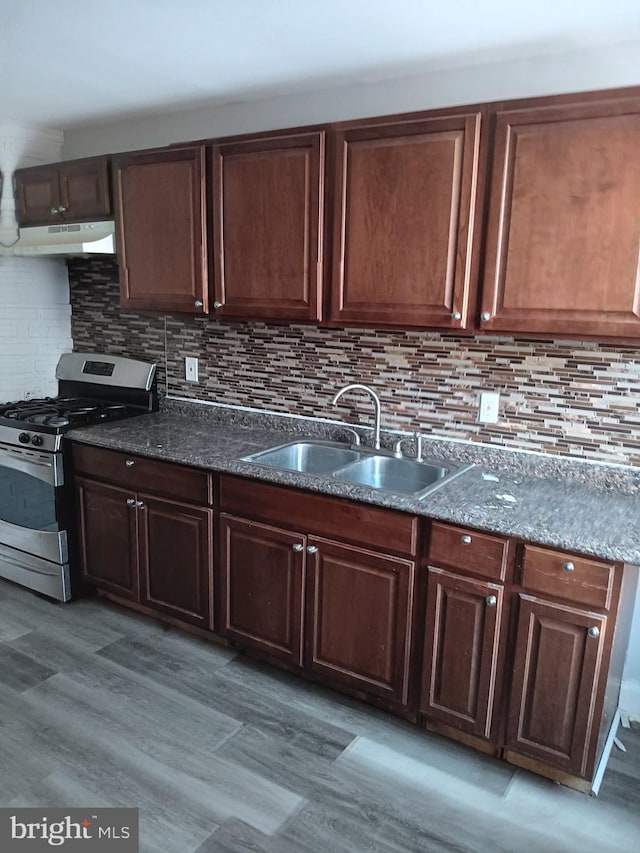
403	476
307	457
361	466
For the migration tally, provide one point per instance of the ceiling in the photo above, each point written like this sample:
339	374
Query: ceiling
71	62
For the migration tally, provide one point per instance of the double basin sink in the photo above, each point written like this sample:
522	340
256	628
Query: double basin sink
361	466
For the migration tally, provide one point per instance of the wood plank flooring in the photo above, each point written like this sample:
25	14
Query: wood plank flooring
101	707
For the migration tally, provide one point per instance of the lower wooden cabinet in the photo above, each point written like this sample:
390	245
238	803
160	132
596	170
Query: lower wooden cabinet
339	609
464	619
261	587
358	618
142	544
108	538
557	661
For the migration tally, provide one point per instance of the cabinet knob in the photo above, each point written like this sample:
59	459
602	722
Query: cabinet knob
54	211
312	549
62	209
568	566
594	632
298	547
129	463
485	316
466	539
131	502
198	303
491	600
456	315
139	504
217	305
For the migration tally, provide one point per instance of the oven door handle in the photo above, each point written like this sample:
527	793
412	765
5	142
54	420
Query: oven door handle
46	467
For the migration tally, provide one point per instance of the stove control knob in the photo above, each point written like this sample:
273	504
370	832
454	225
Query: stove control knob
36	440
24	438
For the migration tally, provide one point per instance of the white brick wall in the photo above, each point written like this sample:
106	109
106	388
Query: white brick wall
35	325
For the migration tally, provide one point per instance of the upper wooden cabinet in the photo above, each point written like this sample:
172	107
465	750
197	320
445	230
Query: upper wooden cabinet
74	191
267	211
405	219
160	216
563	234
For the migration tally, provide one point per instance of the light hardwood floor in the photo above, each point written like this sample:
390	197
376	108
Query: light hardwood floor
101	707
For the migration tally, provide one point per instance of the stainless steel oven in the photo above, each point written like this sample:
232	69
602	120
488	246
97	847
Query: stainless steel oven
36	494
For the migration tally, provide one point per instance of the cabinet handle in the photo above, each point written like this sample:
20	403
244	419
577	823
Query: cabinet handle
456	315
139	505
485	316
594	632
491	600
568	566
298	547
198	303
131	502
312	549
62	209
55	210
466	539
129	463
217	305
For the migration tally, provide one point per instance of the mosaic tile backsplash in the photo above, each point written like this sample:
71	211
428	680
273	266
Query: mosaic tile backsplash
561	397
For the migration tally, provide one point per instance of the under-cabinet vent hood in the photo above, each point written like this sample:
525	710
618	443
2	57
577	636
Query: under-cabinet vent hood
86	238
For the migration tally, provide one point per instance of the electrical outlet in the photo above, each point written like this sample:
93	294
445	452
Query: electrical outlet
489	404
191	369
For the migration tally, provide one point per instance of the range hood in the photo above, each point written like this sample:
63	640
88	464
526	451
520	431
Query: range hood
86	238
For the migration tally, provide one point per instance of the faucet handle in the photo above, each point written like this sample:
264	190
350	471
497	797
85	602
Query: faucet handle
354	435
417	437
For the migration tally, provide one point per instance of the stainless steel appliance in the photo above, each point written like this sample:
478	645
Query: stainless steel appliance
37	543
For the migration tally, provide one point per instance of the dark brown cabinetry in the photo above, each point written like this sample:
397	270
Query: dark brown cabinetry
406	221
160	217
74	191
261	587
139	542
562	241
352	628
465	627
267	209
559	714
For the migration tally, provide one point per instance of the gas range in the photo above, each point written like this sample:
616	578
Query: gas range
37	541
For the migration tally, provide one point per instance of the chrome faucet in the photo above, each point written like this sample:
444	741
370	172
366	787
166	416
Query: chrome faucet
376	403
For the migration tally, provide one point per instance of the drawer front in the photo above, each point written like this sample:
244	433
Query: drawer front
479	553
333	518
141	474
577	579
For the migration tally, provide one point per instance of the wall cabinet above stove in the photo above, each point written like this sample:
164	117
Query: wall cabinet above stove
73	191
160	218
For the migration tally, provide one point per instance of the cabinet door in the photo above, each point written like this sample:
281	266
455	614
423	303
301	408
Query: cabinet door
405	223
262	570
176	559
460	669
160	217
268	218
37	195
563	233
358	611
84	189
108	537
555	685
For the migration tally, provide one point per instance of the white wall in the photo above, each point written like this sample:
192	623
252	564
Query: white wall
35	325
574	69
630	691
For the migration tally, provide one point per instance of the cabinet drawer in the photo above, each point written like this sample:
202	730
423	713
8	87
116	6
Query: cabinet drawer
578	579
141	474
480	553
333	518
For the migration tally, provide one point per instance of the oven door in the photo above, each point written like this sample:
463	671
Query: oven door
29	484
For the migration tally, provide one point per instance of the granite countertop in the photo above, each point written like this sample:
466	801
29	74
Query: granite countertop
578	506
